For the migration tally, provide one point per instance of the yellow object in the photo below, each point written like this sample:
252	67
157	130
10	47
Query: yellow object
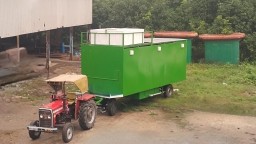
71	97
79	80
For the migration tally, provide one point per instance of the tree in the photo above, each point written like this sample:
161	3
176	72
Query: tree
249	50
221	26
239	13
202	16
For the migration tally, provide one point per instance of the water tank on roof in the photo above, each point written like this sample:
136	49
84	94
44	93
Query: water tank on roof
116	36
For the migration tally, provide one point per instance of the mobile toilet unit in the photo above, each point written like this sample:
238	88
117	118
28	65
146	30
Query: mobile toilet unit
124	63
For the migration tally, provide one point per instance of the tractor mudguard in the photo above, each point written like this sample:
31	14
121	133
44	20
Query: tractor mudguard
80	99
85	97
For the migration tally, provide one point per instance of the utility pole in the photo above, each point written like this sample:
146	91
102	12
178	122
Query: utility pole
18	48
71	31
48	50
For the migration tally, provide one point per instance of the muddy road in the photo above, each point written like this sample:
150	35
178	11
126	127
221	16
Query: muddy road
135	127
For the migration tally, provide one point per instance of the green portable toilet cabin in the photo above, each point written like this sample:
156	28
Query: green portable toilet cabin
120	62
180	34
221	48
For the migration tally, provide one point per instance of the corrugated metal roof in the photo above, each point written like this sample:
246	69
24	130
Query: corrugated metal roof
19	17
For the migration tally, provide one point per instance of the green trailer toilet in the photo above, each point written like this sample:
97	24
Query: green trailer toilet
180	34
123	63
222	48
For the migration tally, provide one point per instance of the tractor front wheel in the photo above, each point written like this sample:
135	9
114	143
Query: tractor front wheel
34	134
67	132
111	107
87	115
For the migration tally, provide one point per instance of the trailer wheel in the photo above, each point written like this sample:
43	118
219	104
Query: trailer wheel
111	107
67	132
168	91
34	134
87	115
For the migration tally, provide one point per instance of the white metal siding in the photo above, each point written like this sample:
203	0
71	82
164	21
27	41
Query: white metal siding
19	17
117	36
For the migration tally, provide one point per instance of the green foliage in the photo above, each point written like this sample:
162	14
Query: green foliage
204	10
202	16
221	25
239	13
199	26
129	13
250	52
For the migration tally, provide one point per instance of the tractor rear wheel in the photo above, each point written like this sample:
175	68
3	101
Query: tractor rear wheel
111	107
87	115
168	91
34	134
67	132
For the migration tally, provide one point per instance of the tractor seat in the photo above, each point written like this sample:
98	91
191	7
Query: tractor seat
71	97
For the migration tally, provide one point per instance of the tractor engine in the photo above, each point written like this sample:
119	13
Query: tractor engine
63	118
45	118
49	112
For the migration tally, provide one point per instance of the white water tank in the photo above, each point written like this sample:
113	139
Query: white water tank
117	36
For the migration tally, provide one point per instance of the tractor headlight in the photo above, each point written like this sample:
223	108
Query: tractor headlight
43	116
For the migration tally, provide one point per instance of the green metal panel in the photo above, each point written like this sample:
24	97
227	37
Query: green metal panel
149	68
112	70
222	51
103	67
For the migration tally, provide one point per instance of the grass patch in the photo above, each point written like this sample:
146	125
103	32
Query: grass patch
229	89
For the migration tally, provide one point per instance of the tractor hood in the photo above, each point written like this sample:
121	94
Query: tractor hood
54	106
79	80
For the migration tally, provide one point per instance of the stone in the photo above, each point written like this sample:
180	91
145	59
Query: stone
24	97
17	97
8	100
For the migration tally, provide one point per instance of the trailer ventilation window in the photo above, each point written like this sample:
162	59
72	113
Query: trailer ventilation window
159	48
131	52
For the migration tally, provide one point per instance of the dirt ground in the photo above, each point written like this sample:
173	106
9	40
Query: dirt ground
146	126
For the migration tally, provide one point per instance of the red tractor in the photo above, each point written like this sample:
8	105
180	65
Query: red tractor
66	104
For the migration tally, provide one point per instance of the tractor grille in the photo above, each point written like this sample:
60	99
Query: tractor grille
44	119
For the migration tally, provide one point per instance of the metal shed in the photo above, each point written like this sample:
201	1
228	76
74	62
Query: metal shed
28	16
20	17
222	48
